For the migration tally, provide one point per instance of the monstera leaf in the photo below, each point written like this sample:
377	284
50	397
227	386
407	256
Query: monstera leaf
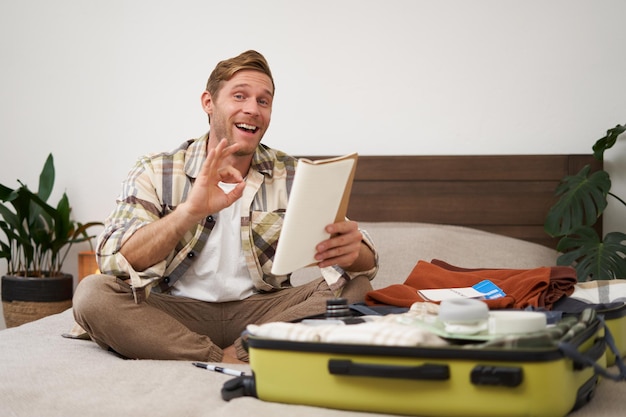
594	259
607	141
582	200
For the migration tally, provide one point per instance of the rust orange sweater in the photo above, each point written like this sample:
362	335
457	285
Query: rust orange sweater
537	287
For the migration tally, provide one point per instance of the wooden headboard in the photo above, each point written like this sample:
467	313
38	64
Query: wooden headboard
508	195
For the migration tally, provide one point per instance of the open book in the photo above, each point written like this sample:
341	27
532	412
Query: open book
319	196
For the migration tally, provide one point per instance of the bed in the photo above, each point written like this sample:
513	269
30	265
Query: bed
471	211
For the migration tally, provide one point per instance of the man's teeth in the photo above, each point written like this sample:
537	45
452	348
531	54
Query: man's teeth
246	127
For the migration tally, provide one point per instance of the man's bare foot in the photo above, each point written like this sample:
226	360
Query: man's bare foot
230	355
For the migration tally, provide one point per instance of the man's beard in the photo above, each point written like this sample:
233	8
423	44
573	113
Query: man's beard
222	129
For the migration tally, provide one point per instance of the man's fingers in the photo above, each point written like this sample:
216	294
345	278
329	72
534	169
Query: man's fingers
236	193
229	174
224	149
214	159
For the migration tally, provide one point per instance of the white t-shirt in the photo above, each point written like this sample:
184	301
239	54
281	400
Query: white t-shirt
219	273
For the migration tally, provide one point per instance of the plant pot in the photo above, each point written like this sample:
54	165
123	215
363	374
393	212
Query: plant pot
26	299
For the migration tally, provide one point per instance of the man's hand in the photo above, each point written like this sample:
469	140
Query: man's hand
206	197
345	248
152	243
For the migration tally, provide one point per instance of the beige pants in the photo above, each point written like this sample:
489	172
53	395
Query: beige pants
180	328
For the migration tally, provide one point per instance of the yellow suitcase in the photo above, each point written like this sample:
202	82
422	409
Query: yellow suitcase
441	381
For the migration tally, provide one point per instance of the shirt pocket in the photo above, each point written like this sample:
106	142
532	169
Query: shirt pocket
265	229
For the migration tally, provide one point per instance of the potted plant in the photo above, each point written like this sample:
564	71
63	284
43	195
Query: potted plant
38	238
582	200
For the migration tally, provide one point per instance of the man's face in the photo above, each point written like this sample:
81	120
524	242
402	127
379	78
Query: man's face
242	110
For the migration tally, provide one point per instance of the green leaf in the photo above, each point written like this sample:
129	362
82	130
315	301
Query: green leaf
5	193
81	235
21	203
607	141
42	211
582	200
5	252
594	259
64	226
9	217
46	179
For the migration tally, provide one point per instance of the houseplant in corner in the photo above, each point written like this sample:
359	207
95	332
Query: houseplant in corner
37	240
582	200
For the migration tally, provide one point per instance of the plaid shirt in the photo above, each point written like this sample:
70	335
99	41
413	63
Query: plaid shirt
159	182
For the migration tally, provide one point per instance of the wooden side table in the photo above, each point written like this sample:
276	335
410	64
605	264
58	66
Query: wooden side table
87	264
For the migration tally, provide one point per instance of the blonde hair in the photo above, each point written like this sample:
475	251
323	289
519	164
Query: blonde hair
225	70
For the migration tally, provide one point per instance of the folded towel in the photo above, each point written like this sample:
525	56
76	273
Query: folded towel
536	287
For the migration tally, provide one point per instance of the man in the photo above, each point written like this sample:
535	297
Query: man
186	254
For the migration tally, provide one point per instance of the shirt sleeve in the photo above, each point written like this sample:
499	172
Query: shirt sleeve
137	206
337	277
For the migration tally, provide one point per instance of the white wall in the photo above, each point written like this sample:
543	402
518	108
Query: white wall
98	83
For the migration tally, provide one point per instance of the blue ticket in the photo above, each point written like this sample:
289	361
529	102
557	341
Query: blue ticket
489	289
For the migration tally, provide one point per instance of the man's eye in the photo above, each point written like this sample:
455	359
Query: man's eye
238	96
264	102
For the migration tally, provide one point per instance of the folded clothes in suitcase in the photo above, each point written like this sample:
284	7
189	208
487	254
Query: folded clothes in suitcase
532	375
613	310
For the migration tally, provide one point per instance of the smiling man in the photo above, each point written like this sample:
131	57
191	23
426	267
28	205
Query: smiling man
187	252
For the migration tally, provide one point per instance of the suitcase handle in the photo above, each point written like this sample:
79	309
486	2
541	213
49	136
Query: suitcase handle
428	371
593	354
589	358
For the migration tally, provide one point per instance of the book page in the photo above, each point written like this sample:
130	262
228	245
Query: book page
319	196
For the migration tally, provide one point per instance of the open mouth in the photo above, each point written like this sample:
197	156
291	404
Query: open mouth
246	127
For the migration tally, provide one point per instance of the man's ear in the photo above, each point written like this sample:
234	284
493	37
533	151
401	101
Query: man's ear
207	102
